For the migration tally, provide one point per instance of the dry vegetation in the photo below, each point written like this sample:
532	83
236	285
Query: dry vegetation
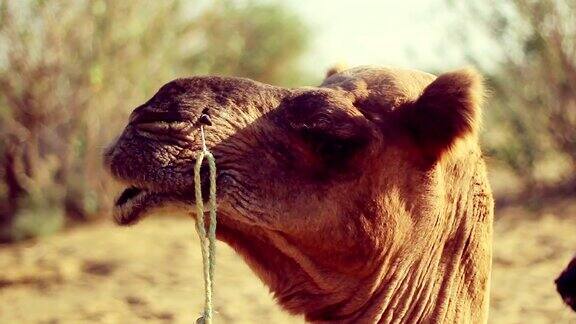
531	70
152	272
72	70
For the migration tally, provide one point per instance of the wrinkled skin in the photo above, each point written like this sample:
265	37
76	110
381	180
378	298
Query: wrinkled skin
364	200
566	284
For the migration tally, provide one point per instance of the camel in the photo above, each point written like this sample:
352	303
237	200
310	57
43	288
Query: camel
363	200
566	284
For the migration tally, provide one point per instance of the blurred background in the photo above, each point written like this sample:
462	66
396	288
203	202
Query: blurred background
72	70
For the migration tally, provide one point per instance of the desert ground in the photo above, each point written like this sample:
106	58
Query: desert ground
152	273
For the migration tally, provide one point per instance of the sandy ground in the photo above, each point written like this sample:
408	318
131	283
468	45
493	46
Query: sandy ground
151	273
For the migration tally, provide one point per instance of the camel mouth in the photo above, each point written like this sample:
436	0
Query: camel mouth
128	194
139	198
134	202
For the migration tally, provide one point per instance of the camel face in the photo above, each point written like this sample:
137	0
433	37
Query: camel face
281	153
326	191
566	284
278	151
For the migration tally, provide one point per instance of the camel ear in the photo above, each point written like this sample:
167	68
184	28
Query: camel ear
335	69
448	109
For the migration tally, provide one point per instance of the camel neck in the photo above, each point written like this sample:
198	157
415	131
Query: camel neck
388	266
442	277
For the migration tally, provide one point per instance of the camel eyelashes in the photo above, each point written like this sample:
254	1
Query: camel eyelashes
327	127
332	149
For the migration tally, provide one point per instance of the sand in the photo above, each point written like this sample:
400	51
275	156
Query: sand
152	273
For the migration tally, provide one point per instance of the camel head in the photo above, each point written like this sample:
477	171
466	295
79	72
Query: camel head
330	193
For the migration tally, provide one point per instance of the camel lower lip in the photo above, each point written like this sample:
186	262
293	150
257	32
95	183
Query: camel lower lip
128	194
134	203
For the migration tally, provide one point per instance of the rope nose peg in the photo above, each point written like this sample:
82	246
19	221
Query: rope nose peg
207	237
205	118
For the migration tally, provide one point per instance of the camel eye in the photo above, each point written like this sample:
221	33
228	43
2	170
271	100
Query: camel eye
333	150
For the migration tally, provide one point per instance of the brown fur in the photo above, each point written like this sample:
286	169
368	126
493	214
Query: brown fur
362	201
